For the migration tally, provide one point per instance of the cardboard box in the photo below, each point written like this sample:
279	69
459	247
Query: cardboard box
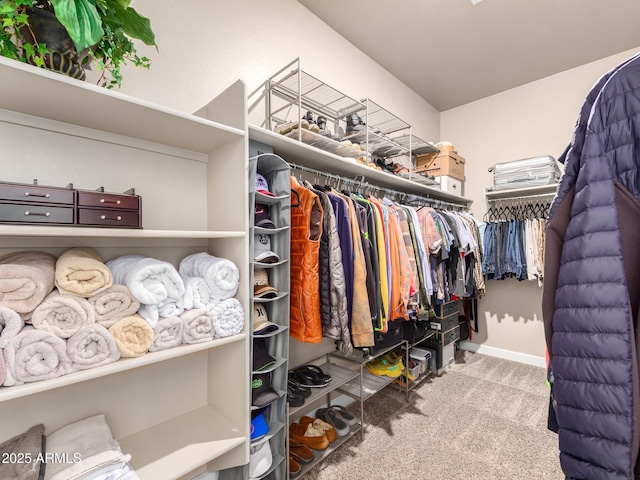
441	163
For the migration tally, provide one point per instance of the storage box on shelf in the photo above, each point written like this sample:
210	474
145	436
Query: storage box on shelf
176	411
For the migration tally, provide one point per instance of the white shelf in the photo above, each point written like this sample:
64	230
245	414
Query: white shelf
56	97
176	447
88	232
317	159
9	393
521	192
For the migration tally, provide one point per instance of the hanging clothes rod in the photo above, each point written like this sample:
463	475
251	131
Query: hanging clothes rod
538	196
396	194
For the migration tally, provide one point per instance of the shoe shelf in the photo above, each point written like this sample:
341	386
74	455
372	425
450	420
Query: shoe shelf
320	455
323	161
371	384
415	144
294	85
413	383
377	132
327	144
340	376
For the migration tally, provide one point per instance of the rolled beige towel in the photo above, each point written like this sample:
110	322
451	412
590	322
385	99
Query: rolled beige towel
133	336
167	334
63	315
26	278
197	326
81	271
113	304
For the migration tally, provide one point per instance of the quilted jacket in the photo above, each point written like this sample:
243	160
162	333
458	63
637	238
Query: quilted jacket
306	230
592	284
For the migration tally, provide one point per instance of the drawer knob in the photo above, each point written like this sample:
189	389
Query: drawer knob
104	217
104	200
38	214
42	195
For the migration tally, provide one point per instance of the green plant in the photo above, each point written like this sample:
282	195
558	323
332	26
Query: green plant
102	32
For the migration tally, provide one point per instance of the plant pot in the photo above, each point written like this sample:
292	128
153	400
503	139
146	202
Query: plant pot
45	28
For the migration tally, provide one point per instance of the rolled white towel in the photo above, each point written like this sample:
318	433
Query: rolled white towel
197	294
34	355
10	325
197	326
227	318
167	334
92	346
220	274
150	281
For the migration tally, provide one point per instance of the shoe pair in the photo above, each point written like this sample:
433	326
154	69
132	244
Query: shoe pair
310	376
354	124
310	122
296	393
308	435
299	454
320	424
389	365
339	417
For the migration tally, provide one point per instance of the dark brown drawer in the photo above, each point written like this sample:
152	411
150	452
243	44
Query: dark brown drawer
108	218
20	213
445	309
444	324
108	200
24	193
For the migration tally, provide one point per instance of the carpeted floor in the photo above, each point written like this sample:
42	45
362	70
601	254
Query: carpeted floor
484	419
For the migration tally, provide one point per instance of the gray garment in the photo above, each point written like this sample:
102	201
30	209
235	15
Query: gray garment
338	325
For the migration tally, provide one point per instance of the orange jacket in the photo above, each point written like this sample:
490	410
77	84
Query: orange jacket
306	228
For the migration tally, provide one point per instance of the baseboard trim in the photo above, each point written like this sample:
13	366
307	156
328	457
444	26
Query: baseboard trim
502	353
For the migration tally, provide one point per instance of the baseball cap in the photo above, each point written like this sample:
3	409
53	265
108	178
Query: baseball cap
261	357
260	459
262	186
262	218
261	287
262	394
261	323
259	427
262	249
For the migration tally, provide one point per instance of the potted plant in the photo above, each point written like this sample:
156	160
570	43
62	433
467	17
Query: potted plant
69	36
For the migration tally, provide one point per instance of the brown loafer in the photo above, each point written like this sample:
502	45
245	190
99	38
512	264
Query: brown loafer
300	452
294	468
310	436
329	431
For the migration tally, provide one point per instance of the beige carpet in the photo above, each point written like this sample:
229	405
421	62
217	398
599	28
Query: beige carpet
484	419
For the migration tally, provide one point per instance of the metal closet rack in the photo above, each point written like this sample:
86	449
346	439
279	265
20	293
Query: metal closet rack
521	198
362	186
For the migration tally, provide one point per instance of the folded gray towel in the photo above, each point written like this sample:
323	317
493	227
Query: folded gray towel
27	450
90	440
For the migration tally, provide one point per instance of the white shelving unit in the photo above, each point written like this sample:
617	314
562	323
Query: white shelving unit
324	161
178	412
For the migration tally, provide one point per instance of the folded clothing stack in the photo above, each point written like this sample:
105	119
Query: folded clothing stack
93	451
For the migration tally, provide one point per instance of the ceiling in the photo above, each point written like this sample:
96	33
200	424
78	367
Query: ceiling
453	52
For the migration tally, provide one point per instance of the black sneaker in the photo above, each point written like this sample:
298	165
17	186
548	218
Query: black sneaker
354	124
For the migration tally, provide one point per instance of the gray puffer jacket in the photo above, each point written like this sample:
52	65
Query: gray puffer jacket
592	284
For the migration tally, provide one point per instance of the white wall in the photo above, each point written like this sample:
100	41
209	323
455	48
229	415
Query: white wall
204	46
534	119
